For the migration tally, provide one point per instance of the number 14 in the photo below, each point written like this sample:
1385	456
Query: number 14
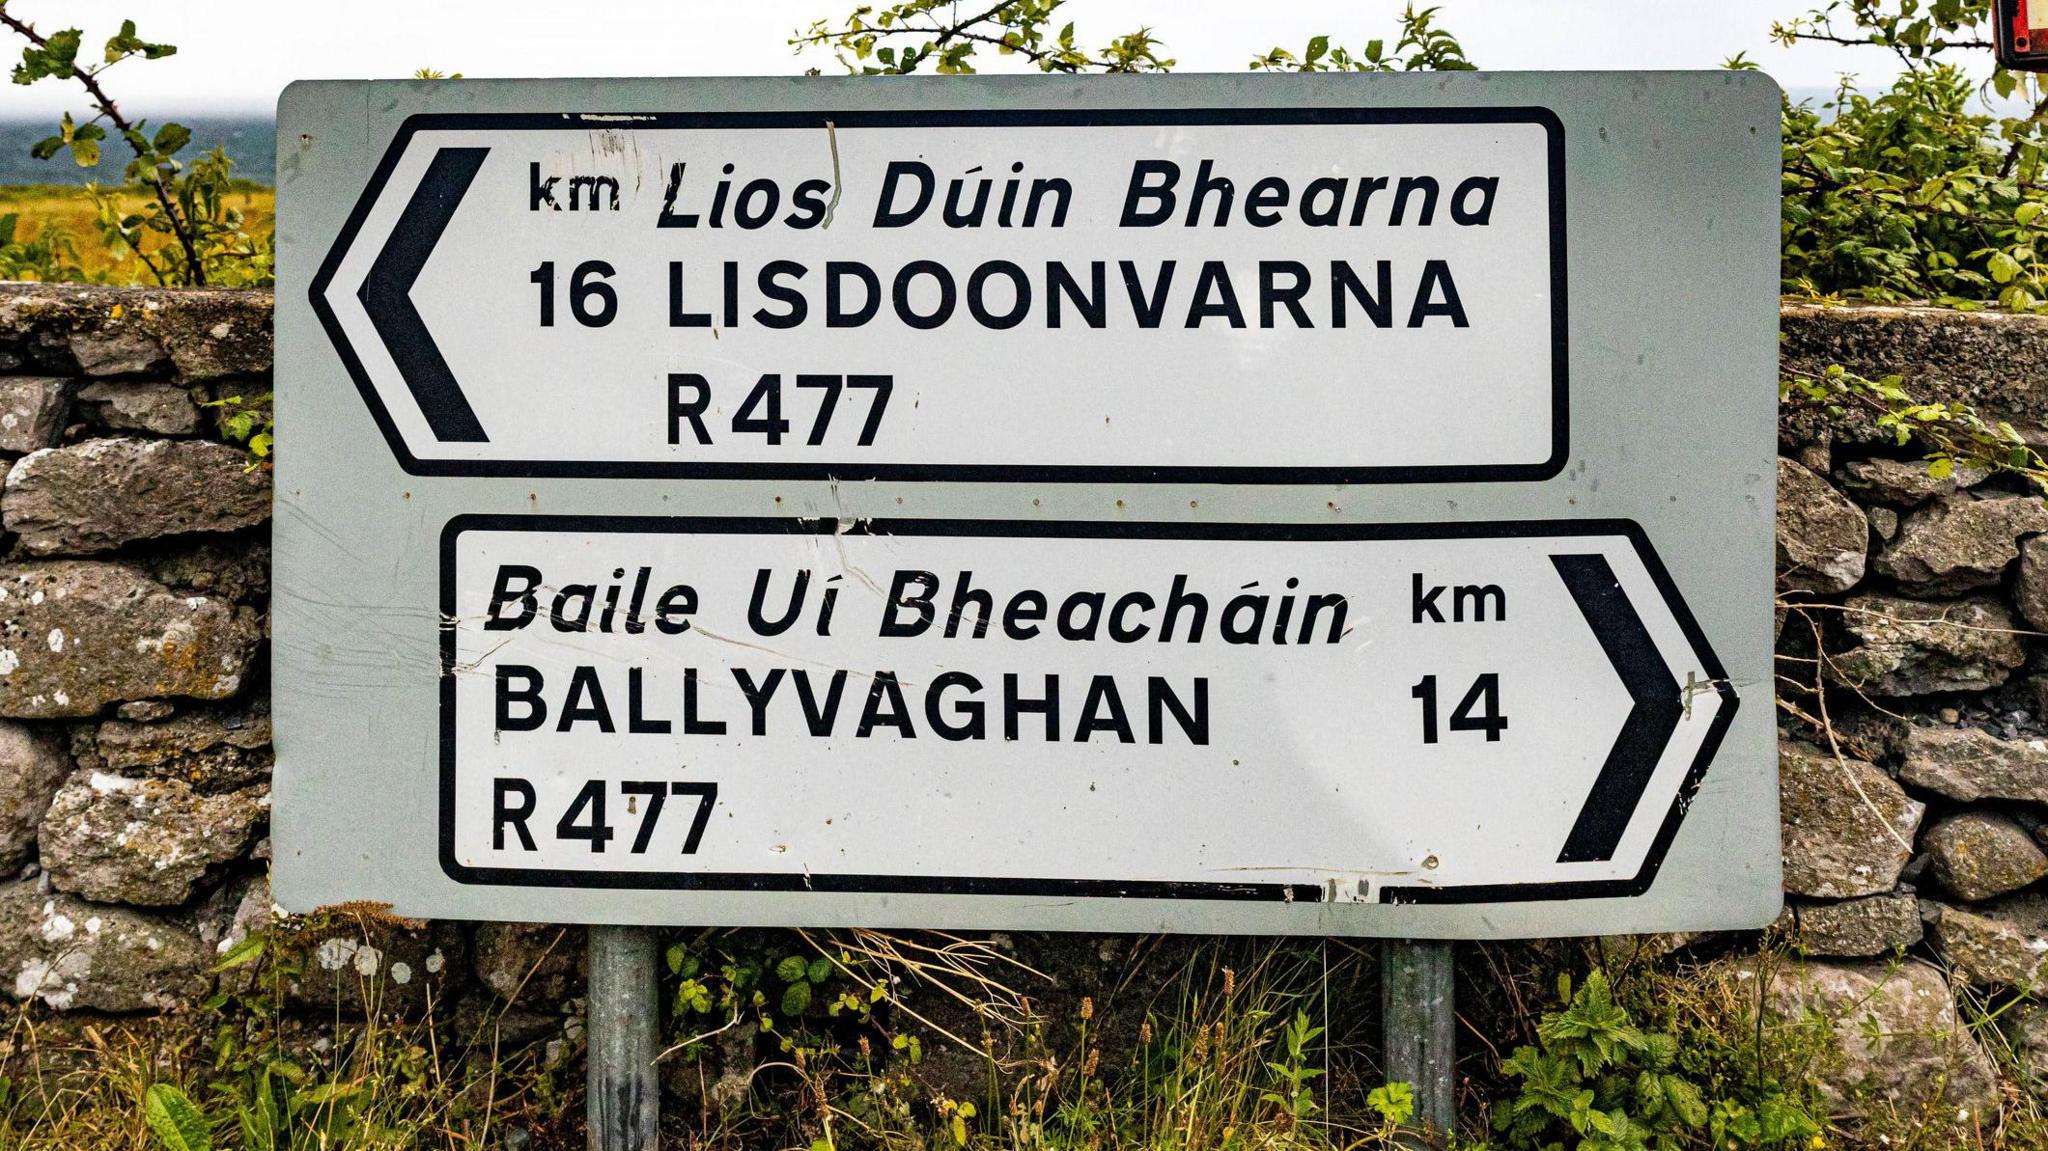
1484	695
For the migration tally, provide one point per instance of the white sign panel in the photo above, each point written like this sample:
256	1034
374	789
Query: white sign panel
1499	711
1198	294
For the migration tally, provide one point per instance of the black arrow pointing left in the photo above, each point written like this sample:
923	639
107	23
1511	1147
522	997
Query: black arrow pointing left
387	295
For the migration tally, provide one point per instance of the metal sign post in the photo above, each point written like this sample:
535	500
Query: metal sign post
1419	1037
623	1021
1333	505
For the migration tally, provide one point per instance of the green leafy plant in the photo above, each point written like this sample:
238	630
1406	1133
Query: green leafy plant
1292	1092
1599	1076
1394	1103
1598	1081
1922	191
1422	47
897	39
247	421
724	978
175	1120
48	256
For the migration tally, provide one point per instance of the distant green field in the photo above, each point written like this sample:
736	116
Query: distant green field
70	210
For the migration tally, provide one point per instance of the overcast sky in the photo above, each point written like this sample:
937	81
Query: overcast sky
234	55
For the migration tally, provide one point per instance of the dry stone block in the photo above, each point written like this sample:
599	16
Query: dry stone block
1969	764
1992	360
2030	589
77	635
235	567
1856	928
1895	1029
101	494
1961	543
1822	537
1848	828
118	350
74	955
1995	943
211	750
1912	647
200	334
32	411
143	841
1979	855
537	965
127	406
398	964
33	765
1906	483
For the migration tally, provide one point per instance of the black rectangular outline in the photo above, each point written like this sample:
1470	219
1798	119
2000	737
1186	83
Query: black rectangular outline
1624	887
1560	430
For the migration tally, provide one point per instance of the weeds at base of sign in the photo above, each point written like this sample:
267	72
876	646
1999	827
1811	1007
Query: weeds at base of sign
933	1040
1220	1044
255	1068
1173	1042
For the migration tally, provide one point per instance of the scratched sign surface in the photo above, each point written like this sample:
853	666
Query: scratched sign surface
1224	504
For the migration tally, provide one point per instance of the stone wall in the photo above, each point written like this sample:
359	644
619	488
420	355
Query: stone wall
1913	685
135	736
135	741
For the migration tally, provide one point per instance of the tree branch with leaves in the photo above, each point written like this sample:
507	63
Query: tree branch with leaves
899	39
903	38
203	237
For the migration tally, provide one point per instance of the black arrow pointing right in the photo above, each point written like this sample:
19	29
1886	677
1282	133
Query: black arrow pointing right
1619	788
387	295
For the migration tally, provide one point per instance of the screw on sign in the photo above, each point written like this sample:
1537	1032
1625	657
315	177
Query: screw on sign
1228	504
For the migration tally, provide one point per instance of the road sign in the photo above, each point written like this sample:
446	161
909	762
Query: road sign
747	680
1021	294
1201	534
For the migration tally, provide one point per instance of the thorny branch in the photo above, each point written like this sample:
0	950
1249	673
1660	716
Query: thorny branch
107	108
